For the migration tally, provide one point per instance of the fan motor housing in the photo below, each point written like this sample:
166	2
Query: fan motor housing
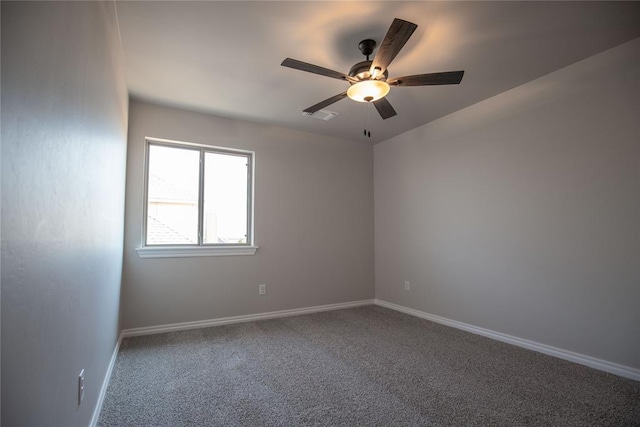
361	71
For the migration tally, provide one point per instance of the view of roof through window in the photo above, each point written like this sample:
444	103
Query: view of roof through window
173	197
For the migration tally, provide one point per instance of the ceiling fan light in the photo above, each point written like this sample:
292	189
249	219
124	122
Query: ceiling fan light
368	90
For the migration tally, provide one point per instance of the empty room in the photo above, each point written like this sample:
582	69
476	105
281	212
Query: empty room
330	213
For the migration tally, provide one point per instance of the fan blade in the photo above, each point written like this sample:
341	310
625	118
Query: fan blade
448	78
322	104
395	39
384	108
310	68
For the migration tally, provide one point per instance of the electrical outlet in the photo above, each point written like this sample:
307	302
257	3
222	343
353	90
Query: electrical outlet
80	387
407	285
262	289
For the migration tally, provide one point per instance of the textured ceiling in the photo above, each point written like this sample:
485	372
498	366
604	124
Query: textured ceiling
224	58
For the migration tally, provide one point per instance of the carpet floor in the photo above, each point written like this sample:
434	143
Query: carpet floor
365	366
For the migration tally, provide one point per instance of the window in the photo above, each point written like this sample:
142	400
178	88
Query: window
198	201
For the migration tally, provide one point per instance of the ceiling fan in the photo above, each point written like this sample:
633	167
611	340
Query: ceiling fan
368	79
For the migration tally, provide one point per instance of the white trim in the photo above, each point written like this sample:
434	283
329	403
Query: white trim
592	362
174	142
193	251
240	319
145	251
105	384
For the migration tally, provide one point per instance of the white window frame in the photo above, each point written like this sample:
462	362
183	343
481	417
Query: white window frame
200	249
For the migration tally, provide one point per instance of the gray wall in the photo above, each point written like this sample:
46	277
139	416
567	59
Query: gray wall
64	124
313	223
520	214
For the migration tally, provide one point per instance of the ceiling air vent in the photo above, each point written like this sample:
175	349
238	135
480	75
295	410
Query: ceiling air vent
321	115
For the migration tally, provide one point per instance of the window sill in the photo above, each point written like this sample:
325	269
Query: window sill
194	251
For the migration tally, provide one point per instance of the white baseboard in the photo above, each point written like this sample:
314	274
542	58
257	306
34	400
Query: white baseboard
105	384
239	319
592	362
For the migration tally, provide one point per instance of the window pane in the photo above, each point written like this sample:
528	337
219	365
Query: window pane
172	209
225	198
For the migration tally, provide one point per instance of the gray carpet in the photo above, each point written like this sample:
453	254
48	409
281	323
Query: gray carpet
362	366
